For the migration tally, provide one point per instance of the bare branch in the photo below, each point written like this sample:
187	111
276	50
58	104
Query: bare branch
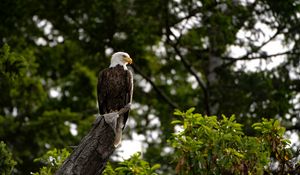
191	14
255	50
233	60
293	127
192	70
158	90
268	41
265	56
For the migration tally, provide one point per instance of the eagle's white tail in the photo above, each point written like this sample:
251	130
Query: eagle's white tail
118	137
118	133
116	121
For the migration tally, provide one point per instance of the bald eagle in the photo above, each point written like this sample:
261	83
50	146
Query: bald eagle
114	90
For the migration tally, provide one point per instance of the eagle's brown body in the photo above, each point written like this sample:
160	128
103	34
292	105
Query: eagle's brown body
114	90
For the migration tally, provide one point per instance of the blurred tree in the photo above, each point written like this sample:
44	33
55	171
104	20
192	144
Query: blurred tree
186	53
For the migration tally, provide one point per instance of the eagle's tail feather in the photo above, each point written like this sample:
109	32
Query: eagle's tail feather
118	133
118	137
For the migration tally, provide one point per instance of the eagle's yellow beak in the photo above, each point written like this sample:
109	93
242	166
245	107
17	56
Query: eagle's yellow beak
128	60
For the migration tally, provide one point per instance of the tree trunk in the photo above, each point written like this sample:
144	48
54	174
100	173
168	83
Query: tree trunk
91	155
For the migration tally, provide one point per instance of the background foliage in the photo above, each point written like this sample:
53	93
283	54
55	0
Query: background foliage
186	53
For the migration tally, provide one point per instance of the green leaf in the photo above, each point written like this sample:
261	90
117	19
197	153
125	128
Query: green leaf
178	112
155	167
174	122
191	110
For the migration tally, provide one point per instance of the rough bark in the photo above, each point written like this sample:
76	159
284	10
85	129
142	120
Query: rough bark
91	155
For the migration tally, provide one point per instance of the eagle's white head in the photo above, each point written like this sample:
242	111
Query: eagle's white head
120	58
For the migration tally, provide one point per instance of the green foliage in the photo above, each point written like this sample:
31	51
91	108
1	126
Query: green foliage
29	111
133	166
272	138
60	46
7	162
52	160
210	146
11	64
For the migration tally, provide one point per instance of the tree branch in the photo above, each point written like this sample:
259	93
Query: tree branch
192	70
192	13
293	127
158	90
268	41
255	50
233	60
